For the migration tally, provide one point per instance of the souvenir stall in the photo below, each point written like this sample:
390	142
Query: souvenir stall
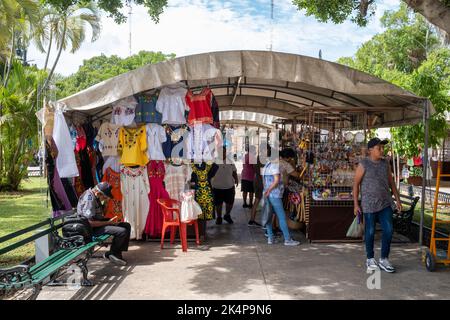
324	101
328	151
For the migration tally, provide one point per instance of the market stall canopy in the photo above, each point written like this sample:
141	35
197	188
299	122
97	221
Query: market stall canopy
279	84
245	118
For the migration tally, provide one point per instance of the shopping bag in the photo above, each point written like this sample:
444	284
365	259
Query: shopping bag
356	229
267	212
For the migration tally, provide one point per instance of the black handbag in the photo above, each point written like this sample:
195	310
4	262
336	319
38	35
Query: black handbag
77	225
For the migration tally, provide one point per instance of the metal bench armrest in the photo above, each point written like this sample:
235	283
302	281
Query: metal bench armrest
68	243
15	277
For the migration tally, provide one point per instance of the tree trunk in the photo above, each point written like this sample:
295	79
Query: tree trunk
13	175
49	49
434	11
9	63
47	81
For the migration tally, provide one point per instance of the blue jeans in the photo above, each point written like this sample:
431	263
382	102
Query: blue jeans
277	205
385	218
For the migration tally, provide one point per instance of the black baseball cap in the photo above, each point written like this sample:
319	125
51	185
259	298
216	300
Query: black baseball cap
105	188
376	141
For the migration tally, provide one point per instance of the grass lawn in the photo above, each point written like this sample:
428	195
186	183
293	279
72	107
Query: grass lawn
19	210
443	214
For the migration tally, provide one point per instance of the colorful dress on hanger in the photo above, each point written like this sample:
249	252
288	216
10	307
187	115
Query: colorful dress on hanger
133	146
172	104
146	110
156	135
114	206
135	187
153	226
108	139
176	178
201	175
199	107
124	112
175	144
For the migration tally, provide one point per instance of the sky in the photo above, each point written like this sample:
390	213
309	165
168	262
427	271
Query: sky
196	26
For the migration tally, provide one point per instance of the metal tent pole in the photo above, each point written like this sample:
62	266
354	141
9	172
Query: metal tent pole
425	168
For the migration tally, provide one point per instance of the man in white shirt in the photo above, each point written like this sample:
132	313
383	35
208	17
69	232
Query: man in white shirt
223	185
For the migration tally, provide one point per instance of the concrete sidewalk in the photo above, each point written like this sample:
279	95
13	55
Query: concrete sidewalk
236	263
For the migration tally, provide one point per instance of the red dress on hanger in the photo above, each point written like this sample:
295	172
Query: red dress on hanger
156	172
199	107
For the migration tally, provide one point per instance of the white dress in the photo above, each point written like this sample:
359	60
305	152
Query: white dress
65	162
172	105
124	112
156	135
176	178
135	188
190	209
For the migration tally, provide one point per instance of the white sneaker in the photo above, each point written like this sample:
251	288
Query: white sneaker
386	265
291	242
270	240
372	265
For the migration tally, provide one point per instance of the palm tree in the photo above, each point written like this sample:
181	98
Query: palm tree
65	29
16	18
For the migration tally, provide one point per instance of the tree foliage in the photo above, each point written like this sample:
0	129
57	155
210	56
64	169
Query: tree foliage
407	54
114	7
436	12
101	68
18	124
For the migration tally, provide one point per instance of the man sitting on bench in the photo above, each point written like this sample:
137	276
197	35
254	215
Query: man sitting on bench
90	206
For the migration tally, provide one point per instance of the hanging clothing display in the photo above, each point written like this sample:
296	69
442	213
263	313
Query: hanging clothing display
124	112
113	163
90	132
108	138
199	107
175	142
172	104
135	187
65	161
87	178
81	140
201	176
203	143
78	184
133	146
176	178
215	112
73	135
146	110
70	192
114	206
52	152
156	135
153	226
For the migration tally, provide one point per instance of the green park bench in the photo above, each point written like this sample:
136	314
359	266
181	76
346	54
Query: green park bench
67	251
402	221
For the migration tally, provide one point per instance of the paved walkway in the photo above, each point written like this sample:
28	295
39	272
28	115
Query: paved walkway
236	263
